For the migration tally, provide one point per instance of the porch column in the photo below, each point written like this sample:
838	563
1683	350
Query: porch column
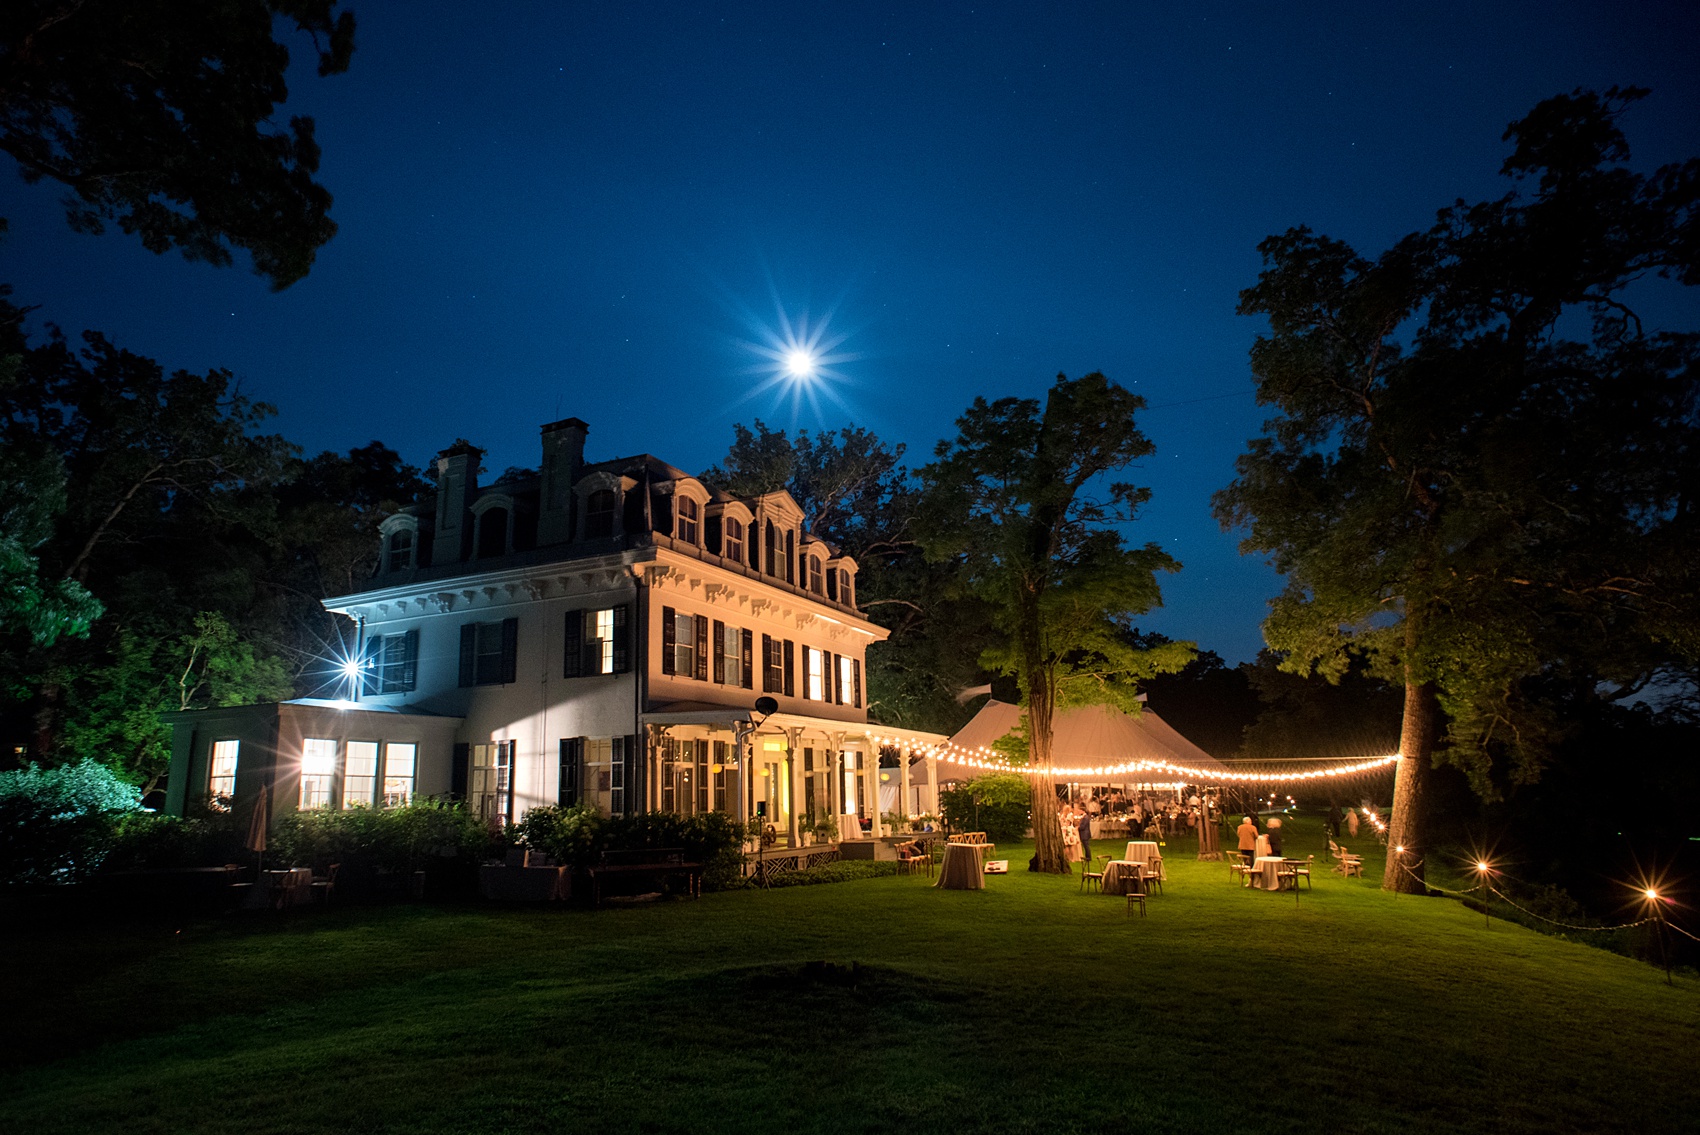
932	782
794	778
905	805
872	773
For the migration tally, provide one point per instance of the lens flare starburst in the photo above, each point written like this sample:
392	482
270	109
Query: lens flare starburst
797	359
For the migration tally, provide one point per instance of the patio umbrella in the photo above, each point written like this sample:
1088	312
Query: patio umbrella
258	826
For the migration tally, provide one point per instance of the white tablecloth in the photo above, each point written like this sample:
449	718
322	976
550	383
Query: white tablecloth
963	868
1266	872
1145	851
849	827
1122	876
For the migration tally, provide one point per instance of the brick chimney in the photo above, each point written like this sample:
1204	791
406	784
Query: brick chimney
457	485
563	457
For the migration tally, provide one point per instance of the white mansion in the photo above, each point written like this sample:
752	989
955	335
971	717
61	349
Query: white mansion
595	632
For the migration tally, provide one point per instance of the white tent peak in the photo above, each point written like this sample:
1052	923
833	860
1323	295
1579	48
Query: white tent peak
1092	735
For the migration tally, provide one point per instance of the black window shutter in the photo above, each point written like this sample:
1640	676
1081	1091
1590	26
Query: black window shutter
831	669
622	652
410	660
790	556
634	767
856	680
719	635
458	768
510	650
701	625
805	667
669	639
469	654
749	675
572	653
790	669
767	665
572	757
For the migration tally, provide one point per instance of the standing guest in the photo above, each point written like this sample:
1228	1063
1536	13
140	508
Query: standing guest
1335	817
1247	832
1084	827
1352	823
1275	835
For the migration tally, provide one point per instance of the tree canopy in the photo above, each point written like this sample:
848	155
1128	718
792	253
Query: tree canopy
1022	500
157	116
1481	470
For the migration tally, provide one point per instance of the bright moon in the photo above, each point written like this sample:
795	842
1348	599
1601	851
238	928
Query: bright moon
800	363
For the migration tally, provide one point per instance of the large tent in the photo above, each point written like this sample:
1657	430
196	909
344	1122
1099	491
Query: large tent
1093	736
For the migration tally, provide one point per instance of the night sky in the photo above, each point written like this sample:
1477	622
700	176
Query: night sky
571	209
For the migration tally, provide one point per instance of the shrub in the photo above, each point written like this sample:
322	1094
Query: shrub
998	804
56	824
579	835
401	840
841	872
148	839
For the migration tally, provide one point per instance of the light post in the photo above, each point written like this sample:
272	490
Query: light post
1483	869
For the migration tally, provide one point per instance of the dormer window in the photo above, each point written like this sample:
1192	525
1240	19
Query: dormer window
690	520
400	555
599	514
733	547
817	579
845	595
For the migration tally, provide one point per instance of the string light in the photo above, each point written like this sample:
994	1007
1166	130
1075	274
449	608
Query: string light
983	758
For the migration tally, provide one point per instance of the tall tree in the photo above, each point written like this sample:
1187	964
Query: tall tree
1022	500
1482	469
157	116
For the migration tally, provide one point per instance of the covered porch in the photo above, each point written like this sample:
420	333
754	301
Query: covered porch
812	781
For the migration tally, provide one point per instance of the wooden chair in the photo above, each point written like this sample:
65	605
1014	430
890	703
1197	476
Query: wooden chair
1149	875
1346	863
910	857
326	887
1238	868
1136	897
1301	869
1089	876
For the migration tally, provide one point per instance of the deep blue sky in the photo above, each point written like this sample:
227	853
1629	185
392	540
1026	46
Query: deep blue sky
560	209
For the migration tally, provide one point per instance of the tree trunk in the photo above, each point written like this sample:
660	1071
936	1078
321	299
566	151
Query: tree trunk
1406	828
1047	829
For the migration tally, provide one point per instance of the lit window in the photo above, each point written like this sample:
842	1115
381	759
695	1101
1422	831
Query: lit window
817	581
392	663
360	774
605	641
815	660
318	771
221	781
690	515
401	549
599	514
846	686
734	546
398	774
491	794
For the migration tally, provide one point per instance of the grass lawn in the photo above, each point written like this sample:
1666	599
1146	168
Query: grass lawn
1024	1008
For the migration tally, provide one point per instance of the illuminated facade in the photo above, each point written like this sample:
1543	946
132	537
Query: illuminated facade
593	632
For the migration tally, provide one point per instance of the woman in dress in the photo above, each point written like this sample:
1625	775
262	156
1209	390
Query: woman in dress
1071	836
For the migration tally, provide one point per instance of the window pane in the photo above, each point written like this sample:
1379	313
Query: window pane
221	781
360	779
815	661
846	693
685	645
734	549
318	767
732	646
605	641
398	774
